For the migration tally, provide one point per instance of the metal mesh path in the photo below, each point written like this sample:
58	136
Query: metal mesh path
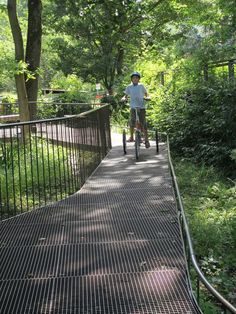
113	247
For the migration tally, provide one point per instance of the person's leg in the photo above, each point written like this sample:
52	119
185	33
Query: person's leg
145	132
147	143
132	124
144	128
131	134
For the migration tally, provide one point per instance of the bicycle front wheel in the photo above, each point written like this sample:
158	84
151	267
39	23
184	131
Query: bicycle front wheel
137	144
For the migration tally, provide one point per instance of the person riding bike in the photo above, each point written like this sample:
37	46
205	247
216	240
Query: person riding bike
137	92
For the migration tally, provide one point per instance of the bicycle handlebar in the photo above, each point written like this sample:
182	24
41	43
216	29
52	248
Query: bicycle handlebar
126	100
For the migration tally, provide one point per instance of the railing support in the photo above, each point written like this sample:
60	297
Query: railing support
51	163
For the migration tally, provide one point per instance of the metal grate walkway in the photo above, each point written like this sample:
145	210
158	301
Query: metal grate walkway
114	247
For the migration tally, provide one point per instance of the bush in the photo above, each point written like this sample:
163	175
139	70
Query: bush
77	97
8	105
109	99
210	202
201	122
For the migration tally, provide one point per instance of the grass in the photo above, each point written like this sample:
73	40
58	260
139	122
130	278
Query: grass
39	173
210	203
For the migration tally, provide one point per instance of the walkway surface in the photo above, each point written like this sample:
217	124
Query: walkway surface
113	247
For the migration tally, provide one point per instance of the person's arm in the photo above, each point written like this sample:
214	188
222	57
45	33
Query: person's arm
125	97
146	94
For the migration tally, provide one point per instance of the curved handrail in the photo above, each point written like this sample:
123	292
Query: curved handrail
201	276
68	117
50	159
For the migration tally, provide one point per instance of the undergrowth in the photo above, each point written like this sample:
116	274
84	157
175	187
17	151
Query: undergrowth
210	204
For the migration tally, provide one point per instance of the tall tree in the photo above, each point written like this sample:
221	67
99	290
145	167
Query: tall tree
27	89
33	52
104	34
19	57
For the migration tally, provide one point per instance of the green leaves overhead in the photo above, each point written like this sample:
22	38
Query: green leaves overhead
101	40
106	35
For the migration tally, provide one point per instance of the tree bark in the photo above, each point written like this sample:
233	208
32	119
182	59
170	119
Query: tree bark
33	52
19	56
120	60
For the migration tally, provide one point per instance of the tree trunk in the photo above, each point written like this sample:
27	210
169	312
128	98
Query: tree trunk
19	56
108	82
120	60
33	52
22	97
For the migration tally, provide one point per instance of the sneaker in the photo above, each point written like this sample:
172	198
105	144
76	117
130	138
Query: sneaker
147	144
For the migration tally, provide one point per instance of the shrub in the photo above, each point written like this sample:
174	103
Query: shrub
201	122
9	105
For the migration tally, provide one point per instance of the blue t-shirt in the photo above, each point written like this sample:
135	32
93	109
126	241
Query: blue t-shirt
136	93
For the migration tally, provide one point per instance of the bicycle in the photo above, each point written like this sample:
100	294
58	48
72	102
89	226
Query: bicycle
137	135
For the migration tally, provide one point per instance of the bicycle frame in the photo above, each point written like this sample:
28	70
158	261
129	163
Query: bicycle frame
137	130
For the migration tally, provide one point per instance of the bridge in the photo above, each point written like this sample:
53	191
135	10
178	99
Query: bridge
114	246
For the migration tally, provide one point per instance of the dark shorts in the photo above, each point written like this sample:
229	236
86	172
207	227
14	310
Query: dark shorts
142	117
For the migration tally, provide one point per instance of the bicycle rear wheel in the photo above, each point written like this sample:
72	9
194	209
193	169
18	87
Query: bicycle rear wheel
137	144
124	141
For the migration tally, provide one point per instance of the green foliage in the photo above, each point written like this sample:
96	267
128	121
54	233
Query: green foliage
39	172
210	205
233	155
109	99
8	105
201	122
107	37
6	55
62	105
70	83
47	110
76	92
40	167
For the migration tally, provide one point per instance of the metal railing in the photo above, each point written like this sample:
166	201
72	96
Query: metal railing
226	307
44	161
44	109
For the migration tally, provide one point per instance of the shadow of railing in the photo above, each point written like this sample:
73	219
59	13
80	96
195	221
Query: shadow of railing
44	161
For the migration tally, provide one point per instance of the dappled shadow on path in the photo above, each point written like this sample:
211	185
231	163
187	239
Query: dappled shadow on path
113	247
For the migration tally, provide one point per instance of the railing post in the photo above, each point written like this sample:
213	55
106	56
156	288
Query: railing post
102	133
198	290
40	166
108	113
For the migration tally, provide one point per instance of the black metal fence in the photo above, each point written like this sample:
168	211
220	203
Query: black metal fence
46	160
9	112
